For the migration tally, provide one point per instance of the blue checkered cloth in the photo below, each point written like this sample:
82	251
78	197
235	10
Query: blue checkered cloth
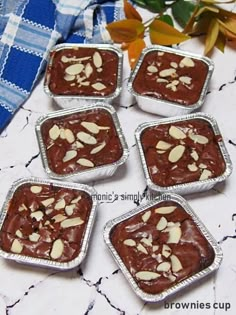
28	30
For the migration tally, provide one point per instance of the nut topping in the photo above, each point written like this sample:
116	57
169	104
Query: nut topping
70	209
167	72
36	189
77	199
74	69
161	225
68	77
69	155
164	267
48	202
129	242
147	275
142	249
176	153
90	126
187	62
86	138
146	216
69	136
85	162
166	251
22	207
59	218
194	155
174	235
165	210
192	167
16	247
57	249
99	86
88	70
205	174
176	133
152	69
97	60
162	145
60	204
71	222
98	148
175	263
19	233
185	79
34	237
54	132
198	138
37	215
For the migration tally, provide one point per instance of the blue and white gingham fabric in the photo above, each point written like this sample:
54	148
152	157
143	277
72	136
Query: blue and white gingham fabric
28	30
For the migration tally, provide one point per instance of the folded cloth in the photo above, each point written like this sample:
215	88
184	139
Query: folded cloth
29	29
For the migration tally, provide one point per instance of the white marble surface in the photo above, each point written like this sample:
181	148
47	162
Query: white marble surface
98	286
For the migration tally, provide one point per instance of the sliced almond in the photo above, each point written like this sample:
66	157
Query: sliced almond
198	138
129	242
174	235
147	275
185	80
99	69
161	152
36	189
90	126
97	59
164	266
77	199
86	138
161	225
69	155
34	237
69	136
68	77
176	153
59	218
71	59
155	248
80	79
202	165
167	72
160	53
48	211
37	215
187	62
46	223
172	87
192	167
48	202
176	133
152	69
146	216
70	209
103	127
165	210
205	174
166	251
60	204
19	233
160	80
142	249
16	247
174	65
172	278
85	83
98	86
88	70
175	263
162	145
85	162
98	148
194	155
54	132
57	249
62	133
74	69
22	207
146	241
71	222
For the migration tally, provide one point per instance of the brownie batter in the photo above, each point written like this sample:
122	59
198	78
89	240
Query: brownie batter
171	77
45	221
199	153
81	141
161	246
83	71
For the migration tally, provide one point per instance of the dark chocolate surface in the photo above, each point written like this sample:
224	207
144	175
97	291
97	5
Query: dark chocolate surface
37	225
199	161
104	71
144	244
184	84
106	140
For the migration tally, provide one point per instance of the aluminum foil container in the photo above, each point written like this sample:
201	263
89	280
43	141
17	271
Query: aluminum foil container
164	107
94	173
190	187
69	101
184	283
39	262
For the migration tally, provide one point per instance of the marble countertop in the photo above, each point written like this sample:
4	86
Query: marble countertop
97	286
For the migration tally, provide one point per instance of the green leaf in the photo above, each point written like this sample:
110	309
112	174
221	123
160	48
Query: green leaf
152	5
166	18
182	11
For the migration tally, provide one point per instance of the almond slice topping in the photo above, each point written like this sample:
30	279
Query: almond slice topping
36	189
19	233
176	133
16	247
37	215
60	204
98	86
77	199
48	202
194	155
165	210
59	218
147	275
198	138
98	148
54	132
142	249
192	167
71	222
167	72
69	136
187	62
174	235
57	249
74	69
166	251
176	153
152	69
129	242
205	174
97	59
90	126
86	138
161	225
164	267
68	77
22	207
175	263
85	162
69	155
88	70
34	237
162	145
70	209
146	216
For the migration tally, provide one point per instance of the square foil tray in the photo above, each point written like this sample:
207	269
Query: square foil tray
40	262
164	107
95	173
184	283
191	187
69	101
